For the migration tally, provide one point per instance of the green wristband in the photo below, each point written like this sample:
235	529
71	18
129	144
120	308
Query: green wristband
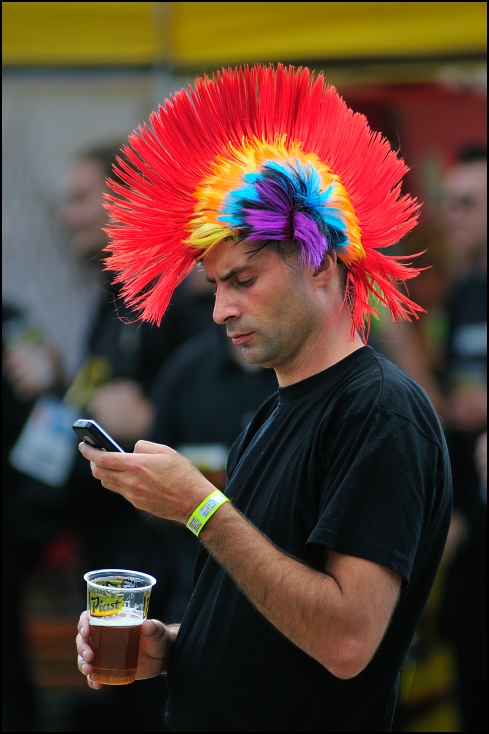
205	510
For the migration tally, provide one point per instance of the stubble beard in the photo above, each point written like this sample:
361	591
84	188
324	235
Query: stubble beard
275	348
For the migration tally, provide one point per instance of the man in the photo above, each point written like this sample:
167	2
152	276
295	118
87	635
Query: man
464	610
112	384
310	581
125	356
464	224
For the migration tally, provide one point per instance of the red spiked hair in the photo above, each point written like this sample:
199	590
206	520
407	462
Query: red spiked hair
202	149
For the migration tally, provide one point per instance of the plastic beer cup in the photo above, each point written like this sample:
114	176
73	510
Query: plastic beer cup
117	604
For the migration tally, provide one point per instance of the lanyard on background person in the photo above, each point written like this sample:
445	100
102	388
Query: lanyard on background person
46	447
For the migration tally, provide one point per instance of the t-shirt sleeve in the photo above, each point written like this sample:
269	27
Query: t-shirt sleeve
375	499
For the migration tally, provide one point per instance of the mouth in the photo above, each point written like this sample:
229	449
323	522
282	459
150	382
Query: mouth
239	338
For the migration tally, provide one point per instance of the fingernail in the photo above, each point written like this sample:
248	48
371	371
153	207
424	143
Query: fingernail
92	465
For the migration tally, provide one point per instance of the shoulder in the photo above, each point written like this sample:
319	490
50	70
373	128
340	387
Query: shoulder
372	384
381	372
392	388
367	378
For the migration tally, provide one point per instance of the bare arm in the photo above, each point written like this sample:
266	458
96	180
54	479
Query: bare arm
338	616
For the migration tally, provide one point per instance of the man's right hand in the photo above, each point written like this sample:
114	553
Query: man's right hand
155	649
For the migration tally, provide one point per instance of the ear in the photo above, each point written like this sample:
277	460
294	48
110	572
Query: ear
326	271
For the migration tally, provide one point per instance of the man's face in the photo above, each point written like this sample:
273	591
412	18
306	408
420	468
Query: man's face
267	305
82	213
464	211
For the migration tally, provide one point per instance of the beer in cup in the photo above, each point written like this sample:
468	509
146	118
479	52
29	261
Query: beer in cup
117	604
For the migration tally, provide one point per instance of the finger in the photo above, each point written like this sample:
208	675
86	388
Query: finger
148	447
84	625
97	455
93	684
89	452
83	649
84	667
111	460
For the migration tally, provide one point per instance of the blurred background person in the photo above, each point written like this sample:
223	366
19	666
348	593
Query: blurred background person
133	353
128	357
464	613
448	670
120	358
111	385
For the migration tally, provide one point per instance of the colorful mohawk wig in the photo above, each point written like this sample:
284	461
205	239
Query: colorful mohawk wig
263	154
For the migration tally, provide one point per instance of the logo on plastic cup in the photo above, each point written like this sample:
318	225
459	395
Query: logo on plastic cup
104	606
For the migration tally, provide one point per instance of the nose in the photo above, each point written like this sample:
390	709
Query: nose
224	307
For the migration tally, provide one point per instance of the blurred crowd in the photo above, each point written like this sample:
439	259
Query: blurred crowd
185	385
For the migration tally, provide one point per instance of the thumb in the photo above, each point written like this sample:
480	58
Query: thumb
153	628
148	447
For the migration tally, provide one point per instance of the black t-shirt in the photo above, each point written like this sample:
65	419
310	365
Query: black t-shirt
354	459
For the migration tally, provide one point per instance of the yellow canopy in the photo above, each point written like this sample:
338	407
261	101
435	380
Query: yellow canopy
197	35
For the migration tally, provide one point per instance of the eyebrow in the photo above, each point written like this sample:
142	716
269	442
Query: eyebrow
229	274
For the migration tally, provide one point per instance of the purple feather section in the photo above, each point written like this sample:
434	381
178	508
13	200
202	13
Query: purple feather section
313	242
275	217
267	225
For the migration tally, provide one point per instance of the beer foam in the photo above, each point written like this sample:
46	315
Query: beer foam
117	620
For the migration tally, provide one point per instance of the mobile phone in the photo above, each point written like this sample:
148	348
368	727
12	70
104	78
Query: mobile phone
92	433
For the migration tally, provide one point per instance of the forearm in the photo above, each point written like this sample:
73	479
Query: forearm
307	606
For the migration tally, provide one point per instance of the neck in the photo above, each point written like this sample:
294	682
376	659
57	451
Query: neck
333	344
